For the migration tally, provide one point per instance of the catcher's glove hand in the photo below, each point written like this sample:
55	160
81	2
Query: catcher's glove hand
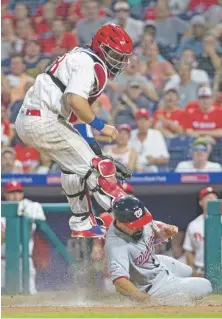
122	172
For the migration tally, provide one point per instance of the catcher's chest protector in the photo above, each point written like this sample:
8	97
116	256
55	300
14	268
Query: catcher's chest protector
100	79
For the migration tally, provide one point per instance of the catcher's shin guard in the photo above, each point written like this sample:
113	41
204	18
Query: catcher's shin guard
106	181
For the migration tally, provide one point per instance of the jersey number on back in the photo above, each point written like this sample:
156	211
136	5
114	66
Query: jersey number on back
54	66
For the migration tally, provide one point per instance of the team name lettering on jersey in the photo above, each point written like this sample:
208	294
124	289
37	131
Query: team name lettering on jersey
198	237
202	125
145	255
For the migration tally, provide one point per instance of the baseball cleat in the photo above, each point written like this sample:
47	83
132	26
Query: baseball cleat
94	232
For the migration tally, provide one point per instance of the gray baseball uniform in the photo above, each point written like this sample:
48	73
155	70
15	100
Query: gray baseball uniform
160	276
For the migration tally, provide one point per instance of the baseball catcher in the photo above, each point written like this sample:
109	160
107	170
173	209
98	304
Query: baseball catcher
133	266
61	97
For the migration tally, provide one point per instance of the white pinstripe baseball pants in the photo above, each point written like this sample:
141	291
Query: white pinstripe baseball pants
58	140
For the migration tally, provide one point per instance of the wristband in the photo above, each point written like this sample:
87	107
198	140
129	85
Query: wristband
97	124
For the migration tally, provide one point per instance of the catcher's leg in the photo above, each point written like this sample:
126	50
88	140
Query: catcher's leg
83	222
57	139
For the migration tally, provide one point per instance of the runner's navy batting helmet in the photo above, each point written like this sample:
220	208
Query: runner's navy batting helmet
131	212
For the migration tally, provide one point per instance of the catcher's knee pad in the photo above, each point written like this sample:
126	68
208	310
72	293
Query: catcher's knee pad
106	182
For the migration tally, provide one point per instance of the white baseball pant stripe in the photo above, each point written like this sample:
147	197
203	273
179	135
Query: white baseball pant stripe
175	287
58	140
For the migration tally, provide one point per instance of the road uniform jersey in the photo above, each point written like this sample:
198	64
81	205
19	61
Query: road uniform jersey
159	276
134	260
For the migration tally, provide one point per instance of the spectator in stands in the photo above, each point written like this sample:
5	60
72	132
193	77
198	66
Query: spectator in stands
5	13
149	29
17	79
213	14
198	75
86	27
5	98
44	166
169	28
132	73
210	58
23	31
194	239
144	47
122	17
168	119
6	132
187	89
100	110
44	27
34	60
4	141
105	101
199	162
15	108
28	155
200	6
61	9
21	12
205	120
9	162
218	88
178	7
158	70
61	41
195	42
149	143
130	102
76	11
8	37
121	151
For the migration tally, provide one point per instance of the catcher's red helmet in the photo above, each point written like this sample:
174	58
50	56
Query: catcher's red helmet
114	46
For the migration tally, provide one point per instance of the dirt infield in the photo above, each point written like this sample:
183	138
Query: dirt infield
121	311
66	305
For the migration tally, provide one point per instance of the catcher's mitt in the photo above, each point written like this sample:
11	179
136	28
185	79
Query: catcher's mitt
122	172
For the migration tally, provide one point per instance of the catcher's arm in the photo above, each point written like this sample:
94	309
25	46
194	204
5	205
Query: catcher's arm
127	288
83	111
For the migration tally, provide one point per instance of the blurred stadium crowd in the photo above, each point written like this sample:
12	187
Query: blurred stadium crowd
167	103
